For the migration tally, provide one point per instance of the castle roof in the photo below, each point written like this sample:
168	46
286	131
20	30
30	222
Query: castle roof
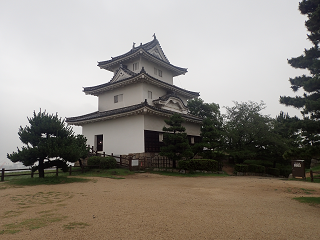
151	50
140	77
142	108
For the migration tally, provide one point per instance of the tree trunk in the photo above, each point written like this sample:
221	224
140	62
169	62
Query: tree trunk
41	169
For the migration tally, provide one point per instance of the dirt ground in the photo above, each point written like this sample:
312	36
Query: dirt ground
150	206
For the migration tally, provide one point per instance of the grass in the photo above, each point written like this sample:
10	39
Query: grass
194	174
51	178
314	201
117	173
45	181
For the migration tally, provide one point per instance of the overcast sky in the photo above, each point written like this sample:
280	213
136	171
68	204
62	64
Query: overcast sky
234	51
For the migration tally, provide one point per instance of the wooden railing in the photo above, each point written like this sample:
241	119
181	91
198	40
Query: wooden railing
28	171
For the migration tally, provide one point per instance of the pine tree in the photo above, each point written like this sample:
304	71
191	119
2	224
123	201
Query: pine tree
49	143
309	103
175	140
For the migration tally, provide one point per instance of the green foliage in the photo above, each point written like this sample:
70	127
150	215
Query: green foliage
259	162
285	171
48	138
93	161
256	168
273	171
108	163
102	162
211	129
199	164
309	102
175	140
249	134
241	168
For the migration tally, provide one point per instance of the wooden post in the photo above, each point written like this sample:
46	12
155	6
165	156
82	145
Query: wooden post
70	170
111	154
130	163
120	160
57	171
31	173
104	154
311	175
2	174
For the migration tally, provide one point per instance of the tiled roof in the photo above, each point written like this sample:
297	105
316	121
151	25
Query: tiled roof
141	108
136	51
142	76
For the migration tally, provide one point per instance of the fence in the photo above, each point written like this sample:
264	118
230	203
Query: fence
312	177
28	171
121	161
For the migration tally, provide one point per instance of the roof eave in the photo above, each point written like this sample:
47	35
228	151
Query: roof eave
143	110
110	64
141	78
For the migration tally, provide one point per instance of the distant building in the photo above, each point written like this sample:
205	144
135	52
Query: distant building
132	106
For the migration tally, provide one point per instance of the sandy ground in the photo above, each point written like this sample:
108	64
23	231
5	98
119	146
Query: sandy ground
149	206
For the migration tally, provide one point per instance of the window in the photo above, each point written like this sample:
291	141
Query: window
118	98
158	72
149	95
152	141
160	137
135	66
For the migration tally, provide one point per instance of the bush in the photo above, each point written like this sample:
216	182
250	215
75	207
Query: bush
102	162
273	171
285	172
199	164
108	162
93	161
259	162
256	168
241	168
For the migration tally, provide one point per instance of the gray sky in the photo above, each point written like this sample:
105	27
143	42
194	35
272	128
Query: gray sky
234	51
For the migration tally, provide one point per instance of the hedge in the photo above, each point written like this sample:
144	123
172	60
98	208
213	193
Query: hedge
93	161
102	162
199	164
285	172
256	168
273	171
259	162
108	163
241	168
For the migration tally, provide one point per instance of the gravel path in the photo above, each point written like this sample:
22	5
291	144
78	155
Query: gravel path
150	206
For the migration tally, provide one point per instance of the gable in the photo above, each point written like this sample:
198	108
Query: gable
120	75
171	103
158	53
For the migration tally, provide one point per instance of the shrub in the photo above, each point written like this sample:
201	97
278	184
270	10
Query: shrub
199	164
259	162
93	161
273	171
241	168
108	162
256	168
102	162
